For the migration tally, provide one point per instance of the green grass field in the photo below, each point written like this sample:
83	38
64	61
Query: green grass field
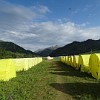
51	80
30	85
77	85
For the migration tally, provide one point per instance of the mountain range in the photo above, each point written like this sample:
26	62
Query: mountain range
47	51
77	47
12	50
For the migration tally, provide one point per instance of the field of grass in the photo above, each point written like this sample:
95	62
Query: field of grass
30	85
77	85
51	80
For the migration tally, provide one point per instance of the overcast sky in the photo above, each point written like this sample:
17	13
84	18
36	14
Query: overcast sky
35	24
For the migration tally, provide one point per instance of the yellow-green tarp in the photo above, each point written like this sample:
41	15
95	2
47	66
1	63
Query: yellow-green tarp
7	69
73	61
19	64
66	58
26	67
94	64
77	61
84	62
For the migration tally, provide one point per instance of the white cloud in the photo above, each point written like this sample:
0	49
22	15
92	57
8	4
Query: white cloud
16	24
41	9
55	33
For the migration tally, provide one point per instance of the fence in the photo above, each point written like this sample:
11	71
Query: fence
9	67
89	63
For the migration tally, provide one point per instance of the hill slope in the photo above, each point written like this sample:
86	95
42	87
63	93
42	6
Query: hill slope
45	52
12	50
78	48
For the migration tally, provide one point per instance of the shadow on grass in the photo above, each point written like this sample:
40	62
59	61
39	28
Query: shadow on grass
62	69
80	91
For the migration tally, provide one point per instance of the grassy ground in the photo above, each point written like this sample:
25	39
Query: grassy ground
30	85
51	80
76	85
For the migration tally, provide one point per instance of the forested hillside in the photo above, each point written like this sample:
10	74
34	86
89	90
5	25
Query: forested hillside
76	47
12	50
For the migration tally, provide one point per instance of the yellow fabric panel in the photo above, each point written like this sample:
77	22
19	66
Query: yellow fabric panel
95	65
77	61
71	60
33	63
36	61
80	61
30	62
3	70
40	59
85	63
66	58
74	61
7	69
11	68
26	64
63	59
86	59
19	64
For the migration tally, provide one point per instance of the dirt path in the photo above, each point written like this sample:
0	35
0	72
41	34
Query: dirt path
59	80
60	94
71	84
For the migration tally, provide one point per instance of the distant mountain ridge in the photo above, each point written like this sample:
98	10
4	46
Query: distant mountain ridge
46	52
78	48
12	50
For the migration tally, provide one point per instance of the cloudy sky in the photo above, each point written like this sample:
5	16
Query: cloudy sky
35	24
